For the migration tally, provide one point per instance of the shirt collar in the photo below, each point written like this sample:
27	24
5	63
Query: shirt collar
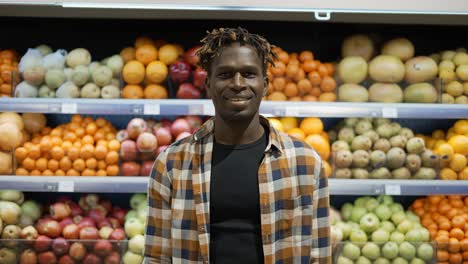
274	142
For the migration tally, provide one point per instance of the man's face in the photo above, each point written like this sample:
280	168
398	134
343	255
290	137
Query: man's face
236	83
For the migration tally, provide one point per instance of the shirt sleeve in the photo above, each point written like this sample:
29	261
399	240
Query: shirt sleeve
158	228
321	247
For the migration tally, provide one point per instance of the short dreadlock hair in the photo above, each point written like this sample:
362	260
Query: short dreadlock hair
215	40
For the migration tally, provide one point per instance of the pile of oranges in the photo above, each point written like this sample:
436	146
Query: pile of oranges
299	77
83	147
8	70
146	68
446	218
311	131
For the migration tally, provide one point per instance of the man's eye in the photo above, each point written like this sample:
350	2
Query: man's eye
224	75
249	74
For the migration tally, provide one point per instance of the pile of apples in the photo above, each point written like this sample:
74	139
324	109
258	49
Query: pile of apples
378	230
189	78
143	140
135	223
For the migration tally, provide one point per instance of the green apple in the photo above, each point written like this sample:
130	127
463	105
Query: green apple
405	226
134	227
136	244
381	261
137	199
396	207
362	260
383	212
361	201
425	251
425	235
399	260
357	213
344	260
351	251
358	236
371	204
371	251
131	214
345	229
407	250
417	261
385	199
397	217
380	236
132	258
412	217
388	226
390	250
346	211
369	223
413	235
397	237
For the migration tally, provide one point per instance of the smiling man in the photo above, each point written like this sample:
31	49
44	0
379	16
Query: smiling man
237	191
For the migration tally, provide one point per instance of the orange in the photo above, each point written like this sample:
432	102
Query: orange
91	163
47	173
110	136
143	40
59	172
21	153
304	86
168	54
442	255
458	162
127	54
112	170
99	135
306	55
309	66
29	164
79	165
53	165
112	157
463	175
327	97
291	70
57	153
56	141
455	258
459	144
73	153
76	118
132	92
279	69
22	172
155	91
276	124
100	122
288	122
310	98
114	145
87	120
297	133
100	152
448	174
442	242
457	233
41	164
156	72
101	173
299	75
91	129
70	136
327	169
146	53
277	96
291	90
458	221
283	56
453	245
133	72
87	151
315	78
65	163
438	134
330	68
464	244
323	70
35	173
465	257
46	131
461	127
445	225
328	84
88	172
102	165
279	83
320	145
45	145
88	139
311	125
5	88
72	172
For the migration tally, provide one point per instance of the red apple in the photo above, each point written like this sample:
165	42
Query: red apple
191	57
107	204
102	248
194	121
77	251
150	123
179	71
161	149
130	168
128	150
199	78
105	232
66	259
104	222
112	258
166	123
91	200
135	127
180	125
47	258
122	135
115	222
89	233
117	234
146	168
64	199
97	215
91	259
146	142
163	135
86	222
188	91
29	233
60	211
50	228
71	231
42	243
119	214
183	135
28	257
65	222
75	209
60	246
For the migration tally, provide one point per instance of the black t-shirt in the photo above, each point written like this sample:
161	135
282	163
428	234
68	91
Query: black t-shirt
234	203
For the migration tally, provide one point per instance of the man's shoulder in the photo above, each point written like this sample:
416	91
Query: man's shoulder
177	150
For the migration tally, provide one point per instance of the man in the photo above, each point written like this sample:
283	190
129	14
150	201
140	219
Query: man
237	191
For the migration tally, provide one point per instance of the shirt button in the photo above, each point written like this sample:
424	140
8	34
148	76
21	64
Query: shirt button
202	229
267	239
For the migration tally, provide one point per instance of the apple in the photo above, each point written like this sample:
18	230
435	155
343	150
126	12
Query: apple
77	251
50	228
86	222
385	199
371	204
336	234
425	235
381	260
71	231
350	251
42	243
60	211
346	211
105	232
179	71
397	237
358	236
371	251
117	234
28	257
112	258
132	258
417	261
345	229
60	246
383	212
380	236
146	142
25	221
8	256
361	201
114	222
344	260
412	217
66	259
161	149
363	260
119	214
137	199
413	235
399	260
178	126
425	251
390	250
398	217
396	207
75	209
130	168
134	227
190	56
122	135
104	222
188	91
65	222
146	167
89	201
97	215
89	233
369	223
404	226
144	156
106	204
407	250
163	135
183	135
131	214
199	78
357	213
128	150
91	259
31	208
47	257
29	233
102	248
135	127
388	226
137	244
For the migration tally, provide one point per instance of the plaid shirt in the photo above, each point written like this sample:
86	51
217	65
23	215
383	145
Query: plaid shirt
294	202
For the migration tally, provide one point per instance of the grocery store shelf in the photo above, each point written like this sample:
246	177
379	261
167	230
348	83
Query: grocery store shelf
205	107
75	184
139	184
396	187
367	11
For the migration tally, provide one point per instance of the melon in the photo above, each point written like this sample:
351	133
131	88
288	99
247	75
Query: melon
387	68
352	69
385	93
399	47
358	45
420	93
10	136
420	69
34	122
34	75
11	117
349	92
5	163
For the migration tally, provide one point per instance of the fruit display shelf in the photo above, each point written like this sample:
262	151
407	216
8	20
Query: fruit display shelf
139	184
205	107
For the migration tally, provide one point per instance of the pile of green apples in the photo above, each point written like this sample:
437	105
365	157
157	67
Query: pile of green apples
378	230
135	223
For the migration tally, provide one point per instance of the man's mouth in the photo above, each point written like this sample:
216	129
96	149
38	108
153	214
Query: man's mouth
238	98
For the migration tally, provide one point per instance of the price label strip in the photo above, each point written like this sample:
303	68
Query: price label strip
392	189
151	109
69	108
389	112
66	186
292	111
208	109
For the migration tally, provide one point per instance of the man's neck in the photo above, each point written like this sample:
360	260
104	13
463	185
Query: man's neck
237	132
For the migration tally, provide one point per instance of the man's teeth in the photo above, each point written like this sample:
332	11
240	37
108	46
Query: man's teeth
238	99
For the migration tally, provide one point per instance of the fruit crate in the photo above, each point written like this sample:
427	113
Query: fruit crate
389	252
59	250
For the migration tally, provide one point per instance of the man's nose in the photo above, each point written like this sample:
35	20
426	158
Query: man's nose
239	81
